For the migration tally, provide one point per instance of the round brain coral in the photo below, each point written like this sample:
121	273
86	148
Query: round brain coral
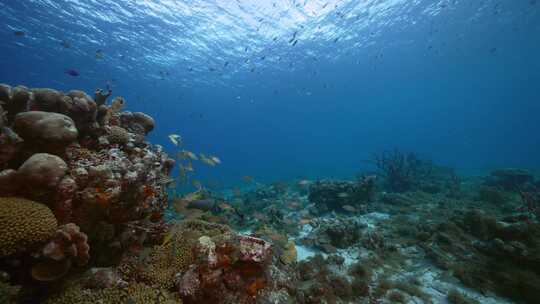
166	261
118	135
23	224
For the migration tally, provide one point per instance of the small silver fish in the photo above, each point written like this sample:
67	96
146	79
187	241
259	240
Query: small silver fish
343	195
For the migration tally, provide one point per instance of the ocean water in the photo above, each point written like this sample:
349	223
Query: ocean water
287	89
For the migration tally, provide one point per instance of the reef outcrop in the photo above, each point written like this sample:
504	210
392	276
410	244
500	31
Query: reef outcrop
342	196
82	203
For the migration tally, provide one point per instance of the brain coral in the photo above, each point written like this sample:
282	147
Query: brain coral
23	224
167	260
118	135
134	294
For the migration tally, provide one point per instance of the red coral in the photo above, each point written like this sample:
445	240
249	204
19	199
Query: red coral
253	249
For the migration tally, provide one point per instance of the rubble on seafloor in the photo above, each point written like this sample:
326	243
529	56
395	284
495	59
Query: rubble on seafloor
449	246
83	199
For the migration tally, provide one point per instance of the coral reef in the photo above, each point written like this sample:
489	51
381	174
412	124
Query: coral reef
86	216
102	182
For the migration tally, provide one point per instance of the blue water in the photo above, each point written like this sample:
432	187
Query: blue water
284	89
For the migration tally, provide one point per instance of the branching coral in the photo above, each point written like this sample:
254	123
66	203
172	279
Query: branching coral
100	96
402	171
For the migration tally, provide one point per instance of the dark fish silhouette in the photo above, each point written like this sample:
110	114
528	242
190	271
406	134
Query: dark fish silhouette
65	44
293	36
72	72
19	33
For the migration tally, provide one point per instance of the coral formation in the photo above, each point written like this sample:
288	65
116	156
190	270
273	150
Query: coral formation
104	184
45	130
100	97
136	293
68	243
41	172
333	233
24	224
337	195
165	261
118	135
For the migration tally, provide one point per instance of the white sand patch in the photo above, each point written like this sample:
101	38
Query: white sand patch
372	219
303	253
438	289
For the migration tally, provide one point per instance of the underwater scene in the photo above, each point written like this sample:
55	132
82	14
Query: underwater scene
269	151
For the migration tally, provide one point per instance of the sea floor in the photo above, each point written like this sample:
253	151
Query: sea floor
411	247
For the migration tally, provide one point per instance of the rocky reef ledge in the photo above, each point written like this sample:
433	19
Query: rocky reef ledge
82	202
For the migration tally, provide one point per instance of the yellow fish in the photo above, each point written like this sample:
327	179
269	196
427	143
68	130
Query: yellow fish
225	206
117	104
189	167
185	154
215	159
175	139
349	208
206	160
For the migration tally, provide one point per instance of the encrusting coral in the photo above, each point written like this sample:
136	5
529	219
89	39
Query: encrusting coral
168	259
24	224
